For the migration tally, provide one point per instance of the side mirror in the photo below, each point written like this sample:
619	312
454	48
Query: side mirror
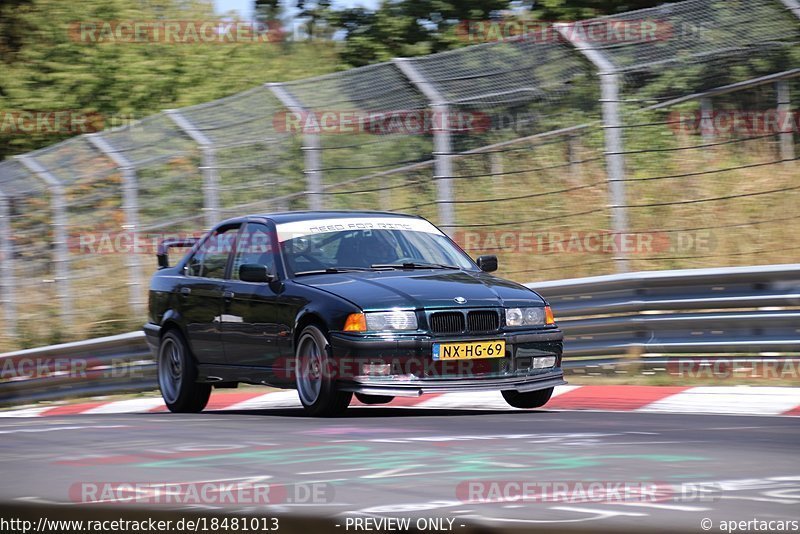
162	254
487	263
254	272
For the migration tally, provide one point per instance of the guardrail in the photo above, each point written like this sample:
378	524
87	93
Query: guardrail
624	320
728	310
102	366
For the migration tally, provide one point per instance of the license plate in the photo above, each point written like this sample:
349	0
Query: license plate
469	351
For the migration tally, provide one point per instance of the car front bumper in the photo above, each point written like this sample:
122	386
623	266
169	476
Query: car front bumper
424	386
507	373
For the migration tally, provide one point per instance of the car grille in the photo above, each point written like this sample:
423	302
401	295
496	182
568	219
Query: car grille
447	322
456	322
483	321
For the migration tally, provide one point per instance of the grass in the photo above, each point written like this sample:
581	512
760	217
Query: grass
565	202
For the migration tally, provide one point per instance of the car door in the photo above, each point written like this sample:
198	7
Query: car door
200	294
250	317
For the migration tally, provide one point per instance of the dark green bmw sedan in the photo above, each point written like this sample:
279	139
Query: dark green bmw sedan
342	303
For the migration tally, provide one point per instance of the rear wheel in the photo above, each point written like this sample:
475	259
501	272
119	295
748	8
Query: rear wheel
374	399
316	384
177	375
528	399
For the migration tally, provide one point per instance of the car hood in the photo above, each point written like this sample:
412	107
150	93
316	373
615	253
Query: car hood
381	290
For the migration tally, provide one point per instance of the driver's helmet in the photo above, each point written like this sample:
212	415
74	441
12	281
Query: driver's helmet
376	249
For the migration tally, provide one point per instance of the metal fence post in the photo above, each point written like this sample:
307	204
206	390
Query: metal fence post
7	287
612	132
442	141
209	168
787	122
793	6
707	120
130	207
60	243
615	159
312	145
496	164
573	156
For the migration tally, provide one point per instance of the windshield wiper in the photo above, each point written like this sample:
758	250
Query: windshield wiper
413	265
330	270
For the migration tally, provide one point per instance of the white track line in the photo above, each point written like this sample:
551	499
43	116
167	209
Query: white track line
481	400
729	400
276	399
126	406
26	412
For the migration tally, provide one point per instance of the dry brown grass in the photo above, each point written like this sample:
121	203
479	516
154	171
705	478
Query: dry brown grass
740	231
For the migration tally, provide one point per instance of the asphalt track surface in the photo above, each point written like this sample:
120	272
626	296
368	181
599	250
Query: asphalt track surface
404	462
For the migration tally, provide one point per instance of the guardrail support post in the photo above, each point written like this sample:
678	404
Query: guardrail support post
209	168
612	132
60	243
787	120
130	207
442	142
7	284
312	145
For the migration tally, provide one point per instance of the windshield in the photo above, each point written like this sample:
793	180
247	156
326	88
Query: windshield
341	248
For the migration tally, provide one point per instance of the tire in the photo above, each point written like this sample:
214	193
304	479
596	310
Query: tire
374	399
528	399
316	385
177	375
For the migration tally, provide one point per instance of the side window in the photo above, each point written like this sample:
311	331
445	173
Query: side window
255	246
210	259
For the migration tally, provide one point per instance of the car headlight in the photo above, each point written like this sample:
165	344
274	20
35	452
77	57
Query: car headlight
529	316
391	320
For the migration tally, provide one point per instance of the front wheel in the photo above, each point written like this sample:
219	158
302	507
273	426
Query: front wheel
316	385
177	375
528	399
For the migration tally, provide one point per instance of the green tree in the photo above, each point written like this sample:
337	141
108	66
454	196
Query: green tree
46	67
317	17
417	27
406	27
568	10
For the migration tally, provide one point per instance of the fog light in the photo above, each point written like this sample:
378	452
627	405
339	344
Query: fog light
376	369
545	362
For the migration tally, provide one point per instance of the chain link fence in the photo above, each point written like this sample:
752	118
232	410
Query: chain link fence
564	153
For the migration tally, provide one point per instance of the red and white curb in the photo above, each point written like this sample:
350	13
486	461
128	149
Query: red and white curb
736	400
